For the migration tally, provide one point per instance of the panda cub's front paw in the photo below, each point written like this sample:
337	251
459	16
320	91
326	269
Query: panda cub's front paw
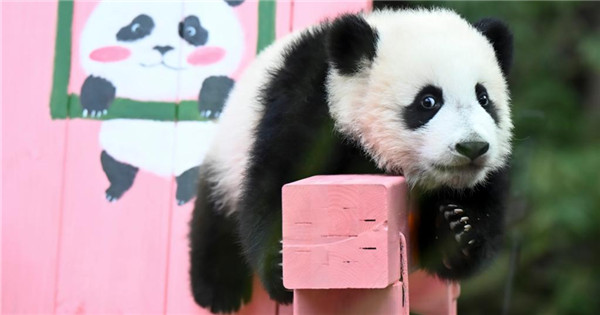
461	225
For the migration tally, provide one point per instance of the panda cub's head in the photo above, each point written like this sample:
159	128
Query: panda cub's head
424	92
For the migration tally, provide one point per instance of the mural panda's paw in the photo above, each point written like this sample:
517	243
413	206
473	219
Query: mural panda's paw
209	114
187	183
96	96
93	113
120	175
111	198
213	95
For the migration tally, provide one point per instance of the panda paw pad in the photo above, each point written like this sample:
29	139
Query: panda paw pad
461	226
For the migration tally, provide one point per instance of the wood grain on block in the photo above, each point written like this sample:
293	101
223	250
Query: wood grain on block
342	231
430	295
350	301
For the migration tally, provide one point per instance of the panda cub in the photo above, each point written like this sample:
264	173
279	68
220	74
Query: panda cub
421	93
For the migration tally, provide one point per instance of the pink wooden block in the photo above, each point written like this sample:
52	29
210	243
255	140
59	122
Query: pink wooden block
430	295
351	301
343	231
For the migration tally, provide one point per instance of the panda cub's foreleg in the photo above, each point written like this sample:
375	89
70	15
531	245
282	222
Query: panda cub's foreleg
220	277
260	231
459	231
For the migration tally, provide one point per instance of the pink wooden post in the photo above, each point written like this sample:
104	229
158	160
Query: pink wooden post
345	252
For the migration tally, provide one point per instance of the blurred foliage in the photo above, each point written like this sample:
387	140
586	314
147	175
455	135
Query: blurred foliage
553	222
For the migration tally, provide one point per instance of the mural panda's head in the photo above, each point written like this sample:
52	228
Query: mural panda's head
424	92
161	50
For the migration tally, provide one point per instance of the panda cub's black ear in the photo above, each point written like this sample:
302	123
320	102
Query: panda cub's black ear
501	38
350	42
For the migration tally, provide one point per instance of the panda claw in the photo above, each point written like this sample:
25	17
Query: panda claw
104	112
458	236
467	228
471	242
446	263
458	211
453	225
84	113
464	219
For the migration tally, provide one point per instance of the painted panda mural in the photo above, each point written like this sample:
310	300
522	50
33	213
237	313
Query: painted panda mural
158	52
419	93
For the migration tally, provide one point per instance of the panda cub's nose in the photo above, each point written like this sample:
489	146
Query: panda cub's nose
472	149
163	49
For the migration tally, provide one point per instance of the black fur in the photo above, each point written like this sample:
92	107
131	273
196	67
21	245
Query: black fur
120	175
490	108
220	278
501	38
415	115
294	139
97	94
483	206
213	95
351	41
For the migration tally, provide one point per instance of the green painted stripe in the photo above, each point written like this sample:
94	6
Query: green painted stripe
59	99
266	24
131	109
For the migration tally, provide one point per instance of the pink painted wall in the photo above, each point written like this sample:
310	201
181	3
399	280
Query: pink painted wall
64	248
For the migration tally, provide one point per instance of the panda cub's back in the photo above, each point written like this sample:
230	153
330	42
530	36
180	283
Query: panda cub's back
228	156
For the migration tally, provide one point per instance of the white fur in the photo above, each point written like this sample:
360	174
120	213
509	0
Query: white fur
228	156
415	48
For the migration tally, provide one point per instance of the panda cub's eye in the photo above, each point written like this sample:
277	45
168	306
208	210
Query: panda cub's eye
429	102
483	99
482	95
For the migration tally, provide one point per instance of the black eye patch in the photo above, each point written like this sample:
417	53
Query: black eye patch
490	108
424	107
191	30
140	27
